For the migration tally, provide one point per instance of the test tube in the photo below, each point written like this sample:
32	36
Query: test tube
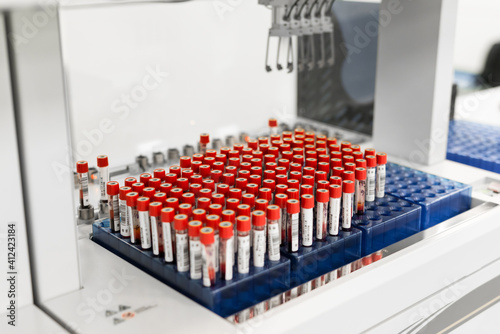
181	242
273	126
124	227
259	237
360	190
347	200
293	211
144	222
226	258
204	140
243	227
322	198
133	217
371	171
209	255
280	200
380	185
156	227
195	260
113	189
307	217
102	167
273	227
167	217
213	222
334	218
82	170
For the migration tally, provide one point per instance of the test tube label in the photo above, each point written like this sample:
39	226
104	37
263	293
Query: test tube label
145	229
321	220
217	250
259	247
380	185
307	227
274	242
229	259
103	179
167	243
84	186
347	211
114	215
294	227
244	254
155	236
370	181
334	216
182	252
124	227
195	259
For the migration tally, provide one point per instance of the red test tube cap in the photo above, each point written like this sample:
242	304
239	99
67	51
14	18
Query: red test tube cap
348	186
243	224
155	209
226	230
258	218
180	222
207	236
371	161
123	192
381	158
335	191
132	198
293	206
322	195
113	188
204	138
273	212
360	173
307	201
167	215
194	228
82	167
102	161
273	122
143	204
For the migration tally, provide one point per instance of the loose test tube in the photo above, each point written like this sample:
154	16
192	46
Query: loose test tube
273	227
371	171
334	212
307	217
133	217
360	190
243	227
113	189
209	255
280	200
226	258
259	237
204	140
156	227
82	170
167	218
144	222
273	126
181	242
322	199
102	167
347	200
195	261
124	227
293	212
381	163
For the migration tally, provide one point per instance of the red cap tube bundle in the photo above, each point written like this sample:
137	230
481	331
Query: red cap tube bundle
144	223
195	262
181	242
113	190
307	218
167	218
209	255
259	237
156	227
273	227
226	258
322	199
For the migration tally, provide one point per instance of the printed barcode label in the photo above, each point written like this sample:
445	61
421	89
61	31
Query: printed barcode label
370	179
154	235
294	224
307	227
347	210
196	263
229	259
84	186
114	214
334	216
259	247
182	252
124	229
380	185
244	254
274	242
145	229
217	259
321	220
103	179
204	266
130	223
167	243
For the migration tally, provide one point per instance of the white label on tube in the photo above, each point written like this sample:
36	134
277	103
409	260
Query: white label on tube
380	186
130	223
244	254
370	184
154	235
229	258
294	226
84	186
116	214
259	248
359	197
307	227
182	252
217	246
124	227
274	241
306	287
346	269
321	220
167	243
333	227
103	179
195	259
346	210
145	226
